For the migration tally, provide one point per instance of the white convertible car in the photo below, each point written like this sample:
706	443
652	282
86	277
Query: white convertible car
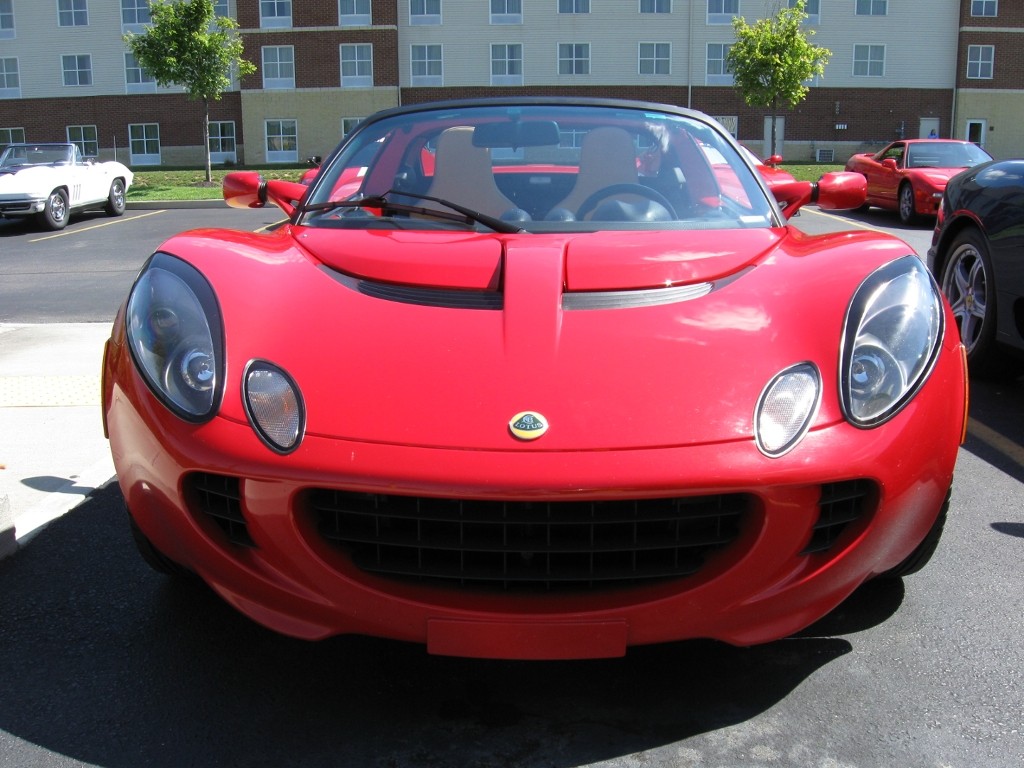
49	181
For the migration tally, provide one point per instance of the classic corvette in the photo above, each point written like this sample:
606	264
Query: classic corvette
909	176
527	400
49	181
977	255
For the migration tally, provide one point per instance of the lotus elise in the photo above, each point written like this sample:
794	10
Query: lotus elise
499	388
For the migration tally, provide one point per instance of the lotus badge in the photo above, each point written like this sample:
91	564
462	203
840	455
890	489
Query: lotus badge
528	425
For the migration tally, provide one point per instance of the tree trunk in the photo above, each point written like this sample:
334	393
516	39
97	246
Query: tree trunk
206	139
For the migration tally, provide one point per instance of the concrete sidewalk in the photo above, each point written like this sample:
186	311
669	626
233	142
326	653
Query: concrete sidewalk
52	449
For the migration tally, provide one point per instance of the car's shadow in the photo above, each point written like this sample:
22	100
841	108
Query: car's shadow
112	665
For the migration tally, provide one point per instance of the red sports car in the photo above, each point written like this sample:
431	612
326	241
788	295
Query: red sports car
524	401
909	176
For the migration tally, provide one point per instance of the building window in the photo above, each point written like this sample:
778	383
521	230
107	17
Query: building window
985	8
357	65
506	11
872	7
6	19
655	58
655	6
868	60
349	124
980	60
222	142
282	141
424	11
278	66
144	143
73	13
506	64
718	72
137	79
134	13
11	136
275	13
86	137
812	8
427	67
10	84
722	11
354	13
77	69
220	9
574	6
574	58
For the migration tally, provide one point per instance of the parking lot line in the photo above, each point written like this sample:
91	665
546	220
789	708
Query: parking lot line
118	220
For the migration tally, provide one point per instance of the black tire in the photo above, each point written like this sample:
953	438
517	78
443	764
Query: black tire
919	558
56	211
905	203
966	278
154	558
115	199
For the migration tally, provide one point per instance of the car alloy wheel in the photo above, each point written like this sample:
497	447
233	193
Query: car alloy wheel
907	213
966	282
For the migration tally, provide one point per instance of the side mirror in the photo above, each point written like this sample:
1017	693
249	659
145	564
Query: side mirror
890	164
247	189
774	161
837	191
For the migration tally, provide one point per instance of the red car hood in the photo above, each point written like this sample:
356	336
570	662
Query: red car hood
937	177
437	340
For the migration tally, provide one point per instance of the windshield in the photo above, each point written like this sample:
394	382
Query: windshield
36	154
945	154
538	168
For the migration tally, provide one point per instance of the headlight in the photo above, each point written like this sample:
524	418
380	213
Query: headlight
174	332
786	408
890	341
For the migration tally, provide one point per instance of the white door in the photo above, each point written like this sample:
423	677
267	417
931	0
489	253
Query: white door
929	128
780	130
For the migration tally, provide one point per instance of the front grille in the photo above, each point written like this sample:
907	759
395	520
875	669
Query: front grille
841	504
528	545
218	498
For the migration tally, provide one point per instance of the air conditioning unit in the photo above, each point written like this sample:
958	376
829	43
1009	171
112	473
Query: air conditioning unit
826	155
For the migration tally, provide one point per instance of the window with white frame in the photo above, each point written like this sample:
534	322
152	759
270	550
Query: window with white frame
10	82
6	19
348	124
984	7
872	7
144	143
574	6
86	137
812	8
722	11
506	11
72	13
354	13
655	6
278	66
76	69
980	61
356	65
868	60
275	13
718	71
574	58
506	64
424	11
137	79
222	141
220	9
427	68
134	14
11	136
281	140
655	58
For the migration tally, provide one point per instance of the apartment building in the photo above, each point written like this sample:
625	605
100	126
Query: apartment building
899	68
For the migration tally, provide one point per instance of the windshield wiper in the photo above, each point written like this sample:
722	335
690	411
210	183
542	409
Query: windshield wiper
467	215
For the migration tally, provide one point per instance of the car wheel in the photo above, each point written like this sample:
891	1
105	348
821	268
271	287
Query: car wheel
154	558
907	213
919	558
968	285
115	200
55	211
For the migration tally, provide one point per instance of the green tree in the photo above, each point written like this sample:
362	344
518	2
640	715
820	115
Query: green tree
773	59
188	45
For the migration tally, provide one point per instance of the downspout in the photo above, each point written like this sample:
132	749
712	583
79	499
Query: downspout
689	60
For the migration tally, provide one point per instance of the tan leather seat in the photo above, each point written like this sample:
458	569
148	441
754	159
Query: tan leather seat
462	174
607	157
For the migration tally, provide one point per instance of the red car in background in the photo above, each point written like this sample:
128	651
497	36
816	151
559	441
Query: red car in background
910	176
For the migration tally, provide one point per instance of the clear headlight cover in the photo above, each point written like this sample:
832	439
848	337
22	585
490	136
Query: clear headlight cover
891	339
786	408
273	405
175	336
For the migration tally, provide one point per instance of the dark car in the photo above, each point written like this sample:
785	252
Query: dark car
977	255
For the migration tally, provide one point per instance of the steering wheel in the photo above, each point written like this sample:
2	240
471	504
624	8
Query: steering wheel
612	190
